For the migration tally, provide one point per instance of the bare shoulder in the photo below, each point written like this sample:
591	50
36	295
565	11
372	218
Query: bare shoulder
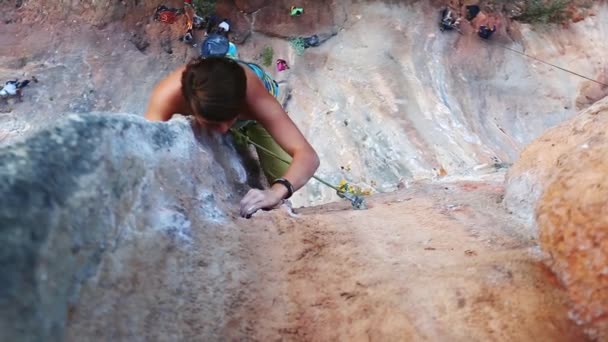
167	98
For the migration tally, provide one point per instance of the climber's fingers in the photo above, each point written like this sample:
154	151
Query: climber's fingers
256	200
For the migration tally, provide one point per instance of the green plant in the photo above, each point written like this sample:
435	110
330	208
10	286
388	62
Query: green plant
204	7
267	55
544	11
298	45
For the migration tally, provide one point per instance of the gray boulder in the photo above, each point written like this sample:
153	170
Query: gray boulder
73	192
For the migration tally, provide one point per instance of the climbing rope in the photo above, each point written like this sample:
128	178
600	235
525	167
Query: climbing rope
357	201
547	63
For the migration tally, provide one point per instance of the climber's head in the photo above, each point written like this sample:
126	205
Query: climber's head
215	88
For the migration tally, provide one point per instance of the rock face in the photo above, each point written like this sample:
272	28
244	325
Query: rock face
542	160
322	17
72	193
572	216
425	104
95	12
559	185
385	101
272	18
113	228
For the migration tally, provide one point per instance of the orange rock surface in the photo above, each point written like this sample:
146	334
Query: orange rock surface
573	220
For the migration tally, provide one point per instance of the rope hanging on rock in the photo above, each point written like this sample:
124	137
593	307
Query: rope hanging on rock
547	63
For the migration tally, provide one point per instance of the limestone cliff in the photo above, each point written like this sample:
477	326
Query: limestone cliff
539	162
560	181
114	228
75	193
389	99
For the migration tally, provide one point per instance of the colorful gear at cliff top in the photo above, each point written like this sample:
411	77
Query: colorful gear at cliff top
282	65
296	11
486	32
448	20
167	15
13	88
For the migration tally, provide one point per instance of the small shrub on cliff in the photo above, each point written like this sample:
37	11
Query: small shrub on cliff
535	11
204	7
544	11
267	55
298	44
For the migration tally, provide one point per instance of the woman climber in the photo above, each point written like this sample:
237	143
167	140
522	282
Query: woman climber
225	94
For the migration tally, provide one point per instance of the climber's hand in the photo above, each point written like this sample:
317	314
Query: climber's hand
260	199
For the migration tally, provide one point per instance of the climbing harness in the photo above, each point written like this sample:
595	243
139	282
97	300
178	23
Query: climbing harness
357	202
547	63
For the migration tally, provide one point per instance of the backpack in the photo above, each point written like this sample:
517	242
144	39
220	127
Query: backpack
215	45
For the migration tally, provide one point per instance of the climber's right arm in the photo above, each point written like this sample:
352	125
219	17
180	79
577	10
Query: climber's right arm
167	98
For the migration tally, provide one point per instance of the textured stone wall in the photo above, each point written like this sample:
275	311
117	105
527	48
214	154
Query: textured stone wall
540	161
572	216
323	17
559	185
71	193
